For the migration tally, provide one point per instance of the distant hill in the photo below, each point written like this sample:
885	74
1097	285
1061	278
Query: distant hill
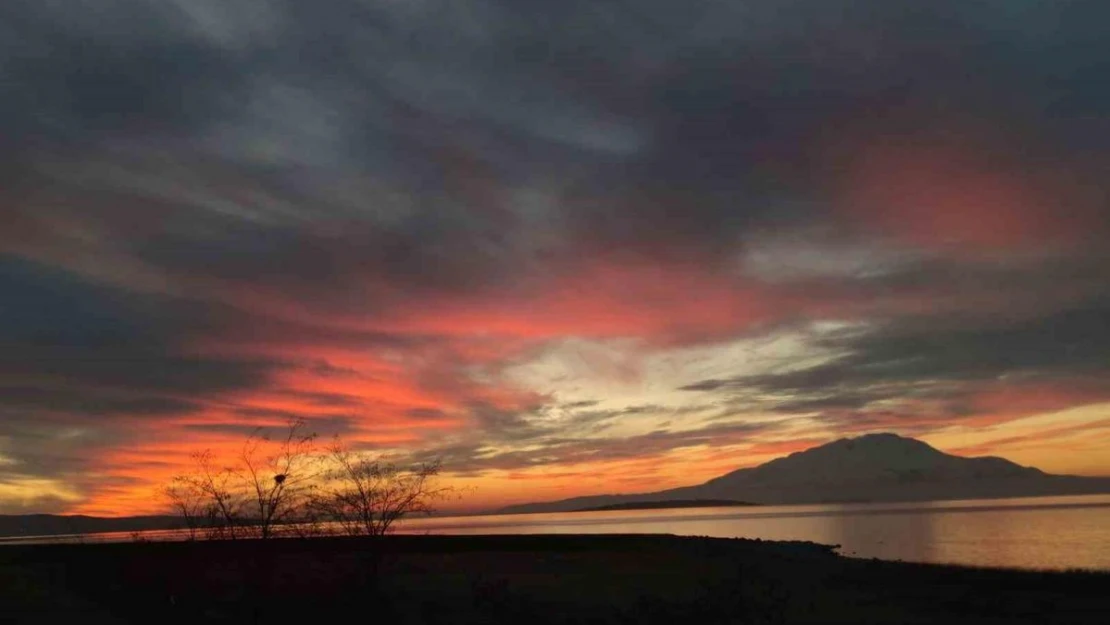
669	505
870	468
57	524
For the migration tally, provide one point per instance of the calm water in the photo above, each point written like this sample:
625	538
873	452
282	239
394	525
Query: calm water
1041	533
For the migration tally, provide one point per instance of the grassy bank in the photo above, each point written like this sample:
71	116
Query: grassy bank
520	579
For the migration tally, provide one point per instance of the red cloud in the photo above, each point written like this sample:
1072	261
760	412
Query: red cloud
963	189
660	303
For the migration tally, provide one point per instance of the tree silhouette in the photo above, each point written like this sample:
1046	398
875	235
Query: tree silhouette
288	485
279	479
366	496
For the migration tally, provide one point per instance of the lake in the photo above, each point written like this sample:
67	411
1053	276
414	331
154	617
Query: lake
1037	533
1041	533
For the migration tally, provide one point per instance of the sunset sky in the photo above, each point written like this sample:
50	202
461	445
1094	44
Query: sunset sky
569	247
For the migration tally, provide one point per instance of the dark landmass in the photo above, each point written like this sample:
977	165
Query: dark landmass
867	469
56	525
520	579
666	505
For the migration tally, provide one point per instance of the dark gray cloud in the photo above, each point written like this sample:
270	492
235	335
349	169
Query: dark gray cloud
662	130
935	366
1065	343
556	433
280	174
86	367
83	363
474	458
47	307
697	122
80	72
91	401
58	329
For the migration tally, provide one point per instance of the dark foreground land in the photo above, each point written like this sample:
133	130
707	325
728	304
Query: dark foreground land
520	579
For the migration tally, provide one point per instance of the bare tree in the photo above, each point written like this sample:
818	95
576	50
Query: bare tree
218	486
286	485
366	496
279	477
265	488
189	502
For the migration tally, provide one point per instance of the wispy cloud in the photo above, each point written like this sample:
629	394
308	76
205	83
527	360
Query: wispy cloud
393	218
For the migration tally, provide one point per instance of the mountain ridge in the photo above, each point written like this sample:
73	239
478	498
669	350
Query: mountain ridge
25	525
893	468
877	467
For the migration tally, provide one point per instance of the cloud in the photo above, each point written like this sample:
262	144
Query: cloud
21	494
932	372
375	214
550	449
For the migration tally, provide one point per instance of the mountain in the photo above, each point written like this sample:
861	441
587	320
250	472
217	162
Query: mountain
869	468
22	525
674	503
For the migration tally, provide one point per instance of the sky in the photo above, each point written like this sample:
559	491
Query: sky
569	248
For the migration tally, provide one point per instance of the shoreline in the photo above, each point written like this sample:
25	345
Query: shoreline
549	578
463	543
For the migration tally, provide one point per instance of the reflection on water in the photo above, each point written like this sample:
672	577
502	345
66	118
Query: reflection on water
886	536
1044	533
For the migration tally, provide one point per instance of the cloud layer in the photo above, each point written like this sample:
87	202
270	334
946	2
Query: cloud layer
545	240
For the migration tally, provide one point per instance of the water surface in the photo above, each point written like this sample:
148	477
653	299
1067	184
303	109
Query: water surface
1042	532
1035	533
